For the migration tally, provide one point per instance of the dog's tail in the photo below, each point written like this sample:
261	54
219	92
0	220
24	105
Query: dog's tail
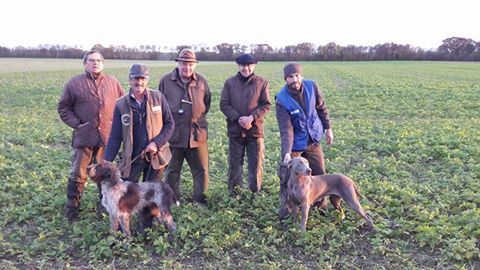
357	191
170	194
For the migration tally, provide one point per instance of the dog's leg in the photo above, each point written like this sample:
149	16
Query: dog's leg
166	219
303	224
352	200
114	223
294	208
125	224
337	203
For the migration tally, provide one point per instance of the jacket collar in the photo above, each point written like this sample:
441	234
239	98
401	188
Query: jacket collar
89	75
174	76
131	97
245	79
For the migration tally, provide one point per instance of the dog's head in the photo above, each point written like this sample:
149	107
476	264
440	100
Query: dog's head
104	170
299	166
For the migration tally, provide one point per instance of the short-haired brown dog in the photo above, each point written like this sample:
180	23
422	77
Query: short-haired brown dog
305	189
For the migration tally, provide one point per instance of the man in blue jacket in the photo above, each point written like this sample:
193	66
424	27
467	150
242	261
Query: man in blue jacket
303	120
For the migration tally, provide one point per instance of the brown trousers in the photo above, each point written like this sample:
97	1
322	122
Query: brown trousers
81	158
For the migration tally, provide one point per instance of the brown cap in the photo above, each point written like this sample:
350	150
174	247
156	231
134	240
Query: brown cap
291	68
186	55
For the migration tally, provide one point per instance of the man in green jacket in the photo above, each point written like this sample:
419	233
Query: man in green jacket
188	96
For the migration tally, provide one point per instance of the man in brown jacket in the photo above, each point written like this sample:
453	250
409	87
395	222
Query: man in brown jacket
245	100
142	125
86	105
188	96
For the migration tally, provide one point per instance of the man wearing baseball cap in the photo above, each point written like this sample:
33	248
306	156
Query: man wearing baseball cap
188	94
142	124
245	100
303	120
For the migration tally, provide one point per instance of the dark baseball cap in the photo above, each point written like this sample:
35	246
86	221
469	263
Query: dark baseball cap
139	70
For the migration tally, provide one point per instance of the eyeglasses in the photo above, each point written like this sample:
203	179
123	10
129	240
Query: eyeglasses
95	60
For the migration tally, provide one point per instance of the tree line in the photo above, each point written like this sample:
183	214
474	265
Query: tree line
451	49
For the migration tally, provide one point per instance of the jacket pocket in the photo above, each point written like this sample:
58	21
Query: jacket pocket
200	131
86	135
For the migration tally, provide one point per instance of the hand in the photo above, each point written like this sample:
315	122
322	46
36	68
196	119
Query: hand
287	158
151	148
329	136
246	122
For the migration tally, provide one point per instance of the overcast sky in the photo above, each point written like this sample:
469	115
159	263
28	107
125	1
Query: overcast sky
421	23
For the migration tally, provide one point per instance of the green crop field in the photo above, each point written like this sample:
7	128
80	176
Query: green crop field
407	132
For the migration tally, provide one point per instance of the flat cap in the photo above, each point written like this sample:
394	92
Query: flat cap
246	59
139	70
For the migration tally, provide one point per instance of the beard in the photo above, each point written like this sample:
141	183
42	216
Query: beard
295	85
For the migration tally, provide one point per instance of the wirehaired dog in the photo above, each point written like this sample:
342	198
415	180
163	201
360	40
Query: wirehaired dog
122	199
305	189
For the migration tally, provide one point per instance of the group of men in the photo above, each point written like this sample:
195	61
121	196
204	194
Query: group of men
157	130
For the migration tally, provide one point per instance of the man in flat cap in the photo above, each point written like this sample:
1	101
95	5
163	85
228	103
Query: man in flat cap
303	120
245	100
188	96
142	124
87	105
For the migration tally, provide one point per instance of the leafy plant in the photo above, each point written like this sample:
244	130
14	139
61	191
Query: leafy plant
406	132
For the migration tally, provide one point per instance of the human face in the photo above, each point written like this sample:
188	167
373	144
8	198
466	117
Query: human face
94	63
138	86
294	81
246	70
186	69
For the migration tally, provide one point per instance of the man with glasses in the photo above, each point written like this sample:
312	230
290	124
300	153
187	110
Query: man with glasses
245	100
189	97
86	105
